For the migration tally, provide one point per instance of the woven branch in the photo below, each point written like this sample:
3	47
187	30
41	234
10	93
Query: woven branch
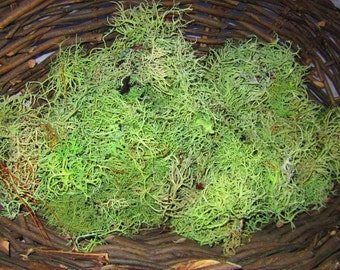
23	8
312	26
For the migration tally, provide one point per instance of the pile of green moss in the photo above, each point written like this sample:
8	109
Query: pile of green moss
144	133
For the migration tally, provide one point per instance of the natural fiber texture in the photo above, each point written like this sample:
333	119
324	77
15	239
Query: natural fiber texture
314	243
33	28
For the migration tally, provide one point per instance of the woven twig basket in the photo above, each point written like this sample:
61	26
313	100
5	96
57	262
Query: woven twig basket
33	28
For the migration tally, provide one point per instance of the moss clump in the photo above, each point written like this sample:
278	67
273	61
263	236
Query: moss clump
143	133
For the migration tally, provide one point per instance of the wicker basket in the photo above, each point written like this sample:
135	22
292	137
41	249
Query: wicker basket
31	29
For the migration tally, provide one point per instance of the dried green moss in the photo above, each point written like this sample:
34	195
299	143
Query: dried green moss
212	147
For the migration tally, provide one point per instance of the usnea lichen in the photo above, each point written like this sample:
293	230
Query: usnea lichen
212	147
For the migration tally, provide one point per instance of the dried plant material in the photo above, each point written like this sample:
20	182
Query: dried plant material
180	240
322	23
279	224
144	133
318	83
25	255
31	63
204	264
99	258
24	7
4	246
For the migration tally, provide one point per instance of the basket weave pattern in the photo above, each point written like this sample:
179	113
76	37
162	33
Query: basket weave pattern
33	28
314	244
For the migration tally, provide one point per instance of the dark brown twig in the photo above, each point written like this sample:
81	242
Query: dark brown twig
24	7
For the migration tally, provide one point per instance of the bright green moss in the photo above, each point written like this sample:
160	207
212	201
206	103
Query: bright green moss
211	146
